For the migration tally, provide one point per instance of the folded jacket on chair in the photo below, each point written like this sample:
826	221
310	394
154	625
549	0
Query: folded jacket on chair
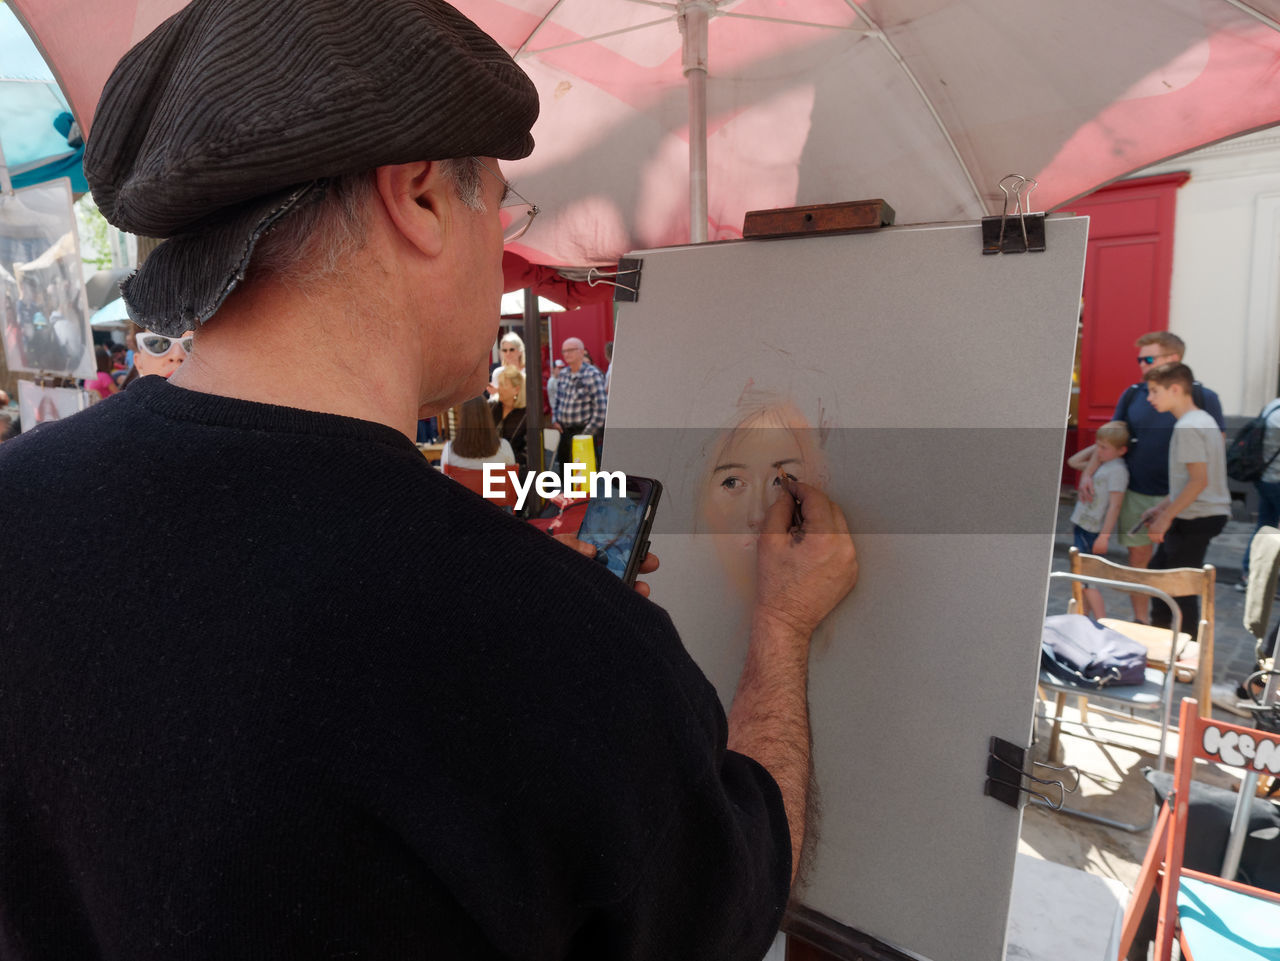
1078	649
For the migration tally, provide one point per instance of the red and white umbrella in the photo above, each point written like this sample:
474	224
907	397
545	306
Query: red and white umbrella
925	103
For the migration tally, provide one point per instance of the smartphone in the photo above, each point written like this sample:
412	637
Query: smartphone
1138	526
618	526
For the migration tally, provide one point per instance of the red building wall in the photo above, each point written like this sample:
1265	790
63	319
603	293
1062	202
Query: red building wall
1127	275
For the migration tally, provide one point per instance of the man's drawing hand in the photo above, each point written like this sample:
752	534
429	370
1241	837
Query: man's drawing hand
801	575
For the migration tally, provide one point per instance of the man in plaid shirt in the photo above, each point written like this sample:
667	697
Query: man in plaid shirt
580	400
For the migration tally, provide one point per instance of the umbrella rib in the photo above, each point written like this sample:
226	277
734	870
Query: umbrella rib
1256	14
875	31
534	32
522	53
794	23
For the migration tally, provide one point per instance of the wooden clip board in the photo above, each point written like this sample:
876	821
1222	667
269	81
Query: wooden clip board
942	379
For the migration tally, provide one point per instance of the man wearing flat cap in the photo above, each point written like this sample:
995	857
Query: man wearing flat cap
271	748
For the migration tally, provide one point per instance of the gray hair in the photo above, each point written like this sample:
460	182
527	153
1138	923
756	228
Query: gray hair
511	337
311	243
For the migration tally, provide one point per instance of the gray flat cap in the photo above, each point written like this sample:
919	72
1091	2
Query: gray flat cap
232	113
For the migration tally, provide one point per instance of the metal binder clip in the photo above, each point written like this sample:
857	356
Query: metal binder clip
1007	769
625	293
999	235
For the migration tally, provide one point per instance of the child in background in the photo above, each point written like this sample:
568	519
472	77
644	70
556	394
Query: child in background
1095	521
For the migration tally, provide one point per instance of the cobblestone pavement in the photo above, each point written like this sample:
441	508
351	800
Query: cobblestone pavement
1233	646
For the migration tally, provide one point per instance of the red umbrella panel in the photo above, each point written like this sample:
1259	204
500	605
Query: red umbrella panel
925	103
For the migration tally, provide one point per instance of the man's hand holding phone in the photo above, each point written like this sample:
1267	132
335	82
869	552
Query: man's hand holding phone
648	564
615	529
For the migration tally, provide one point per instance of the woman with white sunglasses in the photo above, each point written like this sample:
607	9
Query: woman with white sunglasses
159	354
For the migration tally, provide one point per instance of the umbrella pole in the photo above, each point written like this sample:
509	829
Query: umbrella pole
693	27
533	389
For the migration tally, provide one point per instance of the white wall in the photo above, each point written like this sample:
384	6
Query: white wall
1225	298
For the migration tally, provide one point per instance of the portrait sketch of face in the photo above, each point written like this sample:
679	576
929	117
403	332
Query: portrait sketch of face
744	475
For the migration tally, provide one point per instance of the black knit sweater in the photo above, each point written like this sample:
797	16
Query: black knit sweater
259	698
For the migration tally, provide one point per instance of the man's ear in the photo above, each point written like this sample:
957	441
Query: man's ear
415	198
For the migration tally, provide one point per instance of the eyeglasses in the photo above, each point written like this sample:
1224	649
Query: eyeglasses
157	345
1151	358
521	220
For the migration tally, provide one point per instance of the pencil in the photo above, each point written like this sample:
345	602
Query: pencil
797	516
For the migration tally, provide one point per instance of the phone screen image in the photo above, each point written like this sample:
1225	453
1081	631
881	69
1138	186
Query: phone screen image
617	526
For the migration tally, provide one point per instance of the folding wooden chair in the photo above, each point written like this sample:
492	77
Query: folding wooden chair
1193	647
1213	918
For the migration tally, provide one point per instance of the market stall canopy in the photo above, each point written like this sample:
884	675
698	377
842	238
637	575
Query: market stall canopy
513	304
38	136
925	103
112	316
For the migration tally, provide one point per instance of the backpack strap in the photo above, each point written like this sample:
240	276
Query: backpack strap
1126	401
1267	411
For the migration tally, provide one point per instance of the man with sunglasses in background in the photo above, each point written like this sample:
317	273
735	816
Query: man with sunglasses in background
1147	458
273	748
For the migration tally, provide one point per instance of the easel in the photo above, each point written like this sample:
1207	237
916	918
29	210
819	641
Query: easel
861	332
811	934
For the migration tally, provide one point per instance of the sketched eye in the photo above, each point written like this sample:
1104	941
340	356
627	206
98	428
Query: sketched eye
732	483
